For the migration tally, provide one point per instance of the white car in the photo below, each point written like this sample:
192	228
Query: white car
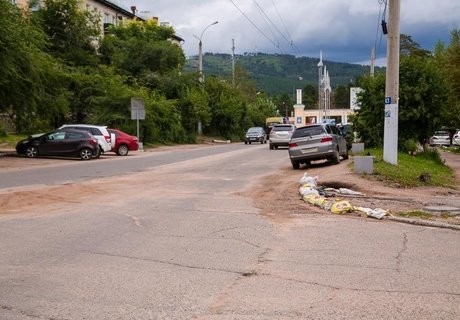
456	138
440	138
105	139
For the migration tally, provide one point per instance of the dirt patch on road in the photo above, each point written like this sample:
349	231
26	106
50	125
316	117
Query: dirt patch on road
278	197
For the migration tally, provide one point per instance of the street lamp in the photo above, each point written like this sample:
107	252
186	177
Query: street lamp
200	50
200	65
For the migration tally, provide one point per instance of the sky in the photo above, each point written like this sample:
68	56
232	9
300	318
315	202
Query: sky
345	30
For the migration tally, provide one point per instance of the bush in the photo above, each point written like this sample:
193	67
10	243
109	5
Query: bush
409	146
432	155
2	130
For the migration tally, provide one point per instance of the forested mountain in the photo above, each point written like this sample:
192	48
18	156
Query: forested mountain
275	73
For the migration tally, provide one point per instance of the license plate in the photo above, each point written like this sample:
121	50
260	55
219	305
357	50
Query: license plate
309	150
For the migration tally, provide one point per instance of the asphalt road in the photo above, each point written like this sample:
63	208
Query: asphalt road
178	236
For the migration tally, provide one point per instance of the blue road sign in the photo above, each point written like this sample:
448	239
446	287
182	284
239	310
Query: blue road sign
387	100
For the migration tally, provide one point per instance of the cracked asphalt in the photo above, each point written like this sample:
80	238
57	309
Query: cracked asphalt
220	236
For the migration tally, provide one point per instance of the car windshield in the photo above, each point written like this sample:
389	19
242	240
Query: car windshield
308	131
282	128
441	133
254	130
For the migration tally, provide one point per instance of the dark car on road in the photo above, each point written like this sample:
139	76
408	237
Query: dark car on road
69	143
123	142
255	134
317	142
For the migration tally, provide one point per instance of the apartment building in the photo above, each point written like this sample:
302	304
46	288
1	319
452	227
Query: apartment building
111	13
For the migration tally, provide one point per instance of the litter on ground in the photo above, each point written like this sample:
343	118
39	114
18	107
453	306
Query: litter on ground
324	198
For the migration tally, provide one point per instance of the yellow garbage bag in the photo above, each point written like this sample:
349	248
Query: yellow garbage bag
340	207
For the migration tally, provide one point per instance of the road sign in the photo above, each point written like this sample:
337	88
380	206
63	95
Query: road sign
137	109
387	100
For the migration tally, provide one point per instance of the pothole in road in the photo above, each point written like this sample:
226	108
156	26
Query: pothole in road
336	185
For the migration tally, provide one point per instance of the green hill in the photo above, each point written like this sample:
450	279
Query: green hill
275	73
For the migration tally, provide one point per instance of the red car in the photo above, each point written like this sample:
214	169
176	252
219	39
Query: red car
123	142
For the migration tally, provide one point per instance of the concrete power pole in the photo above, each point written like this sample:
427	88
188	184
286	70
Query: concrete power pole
233	62
390	137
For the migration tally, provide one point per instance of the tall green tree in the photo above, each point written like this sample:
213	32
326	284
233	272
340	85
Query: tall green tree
73	33
30	80
142	50
310	96
423	96
341	97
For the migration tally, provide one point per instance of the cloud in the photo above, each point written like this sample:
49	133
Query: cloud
344	30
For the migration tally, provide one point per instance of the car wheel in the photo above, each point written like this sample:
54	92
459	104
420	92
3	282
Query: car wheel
271	147
345	155
32	152
262	142
99	152
245	142
86	154
122	150
336	158
295	165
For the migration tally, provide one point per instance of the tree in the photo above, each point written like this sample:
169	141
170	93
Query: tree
341	97
423	96
142	50
73	33
30	80
310	96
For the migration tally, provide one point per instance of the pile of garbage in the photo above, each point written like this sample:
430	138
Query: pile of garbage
326	198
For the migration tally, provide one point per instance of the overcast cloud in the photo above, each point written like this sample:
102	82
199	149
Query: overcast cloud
345	30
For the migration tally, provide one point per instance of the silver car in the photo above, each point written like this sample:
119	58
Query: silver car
280	135
317	142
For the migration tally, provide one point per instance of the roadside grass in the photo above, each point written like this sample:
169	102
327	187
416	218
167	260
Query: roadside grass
9	140
454	149
409	168
415	214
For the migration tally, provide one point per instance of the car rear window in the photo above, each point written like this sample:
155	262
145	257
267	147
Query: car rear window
282	128
96	132
308	131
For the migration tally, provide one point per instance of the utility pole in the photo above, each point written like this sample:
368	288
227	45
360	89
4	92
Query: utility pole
372	61
233	62
390	137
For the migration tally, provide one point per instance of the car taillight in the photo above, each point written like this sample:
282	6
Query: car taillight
107	138
292	145
326	139
93	141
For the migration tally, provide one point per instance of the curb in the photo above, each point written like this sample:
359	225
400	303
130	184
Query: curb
424	223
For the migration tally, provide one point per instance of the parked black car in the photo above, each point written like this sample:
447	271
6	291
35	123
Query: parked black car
73	143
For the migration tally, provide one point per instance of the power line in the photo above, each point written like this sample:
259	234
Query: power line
255	26
291	43
265	17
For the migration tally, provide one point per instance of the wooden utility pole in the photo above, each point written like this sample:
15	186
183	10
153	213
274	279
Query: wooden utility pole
390	138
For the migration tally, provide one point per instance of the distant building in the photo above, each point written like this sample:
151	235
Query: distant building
111	13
